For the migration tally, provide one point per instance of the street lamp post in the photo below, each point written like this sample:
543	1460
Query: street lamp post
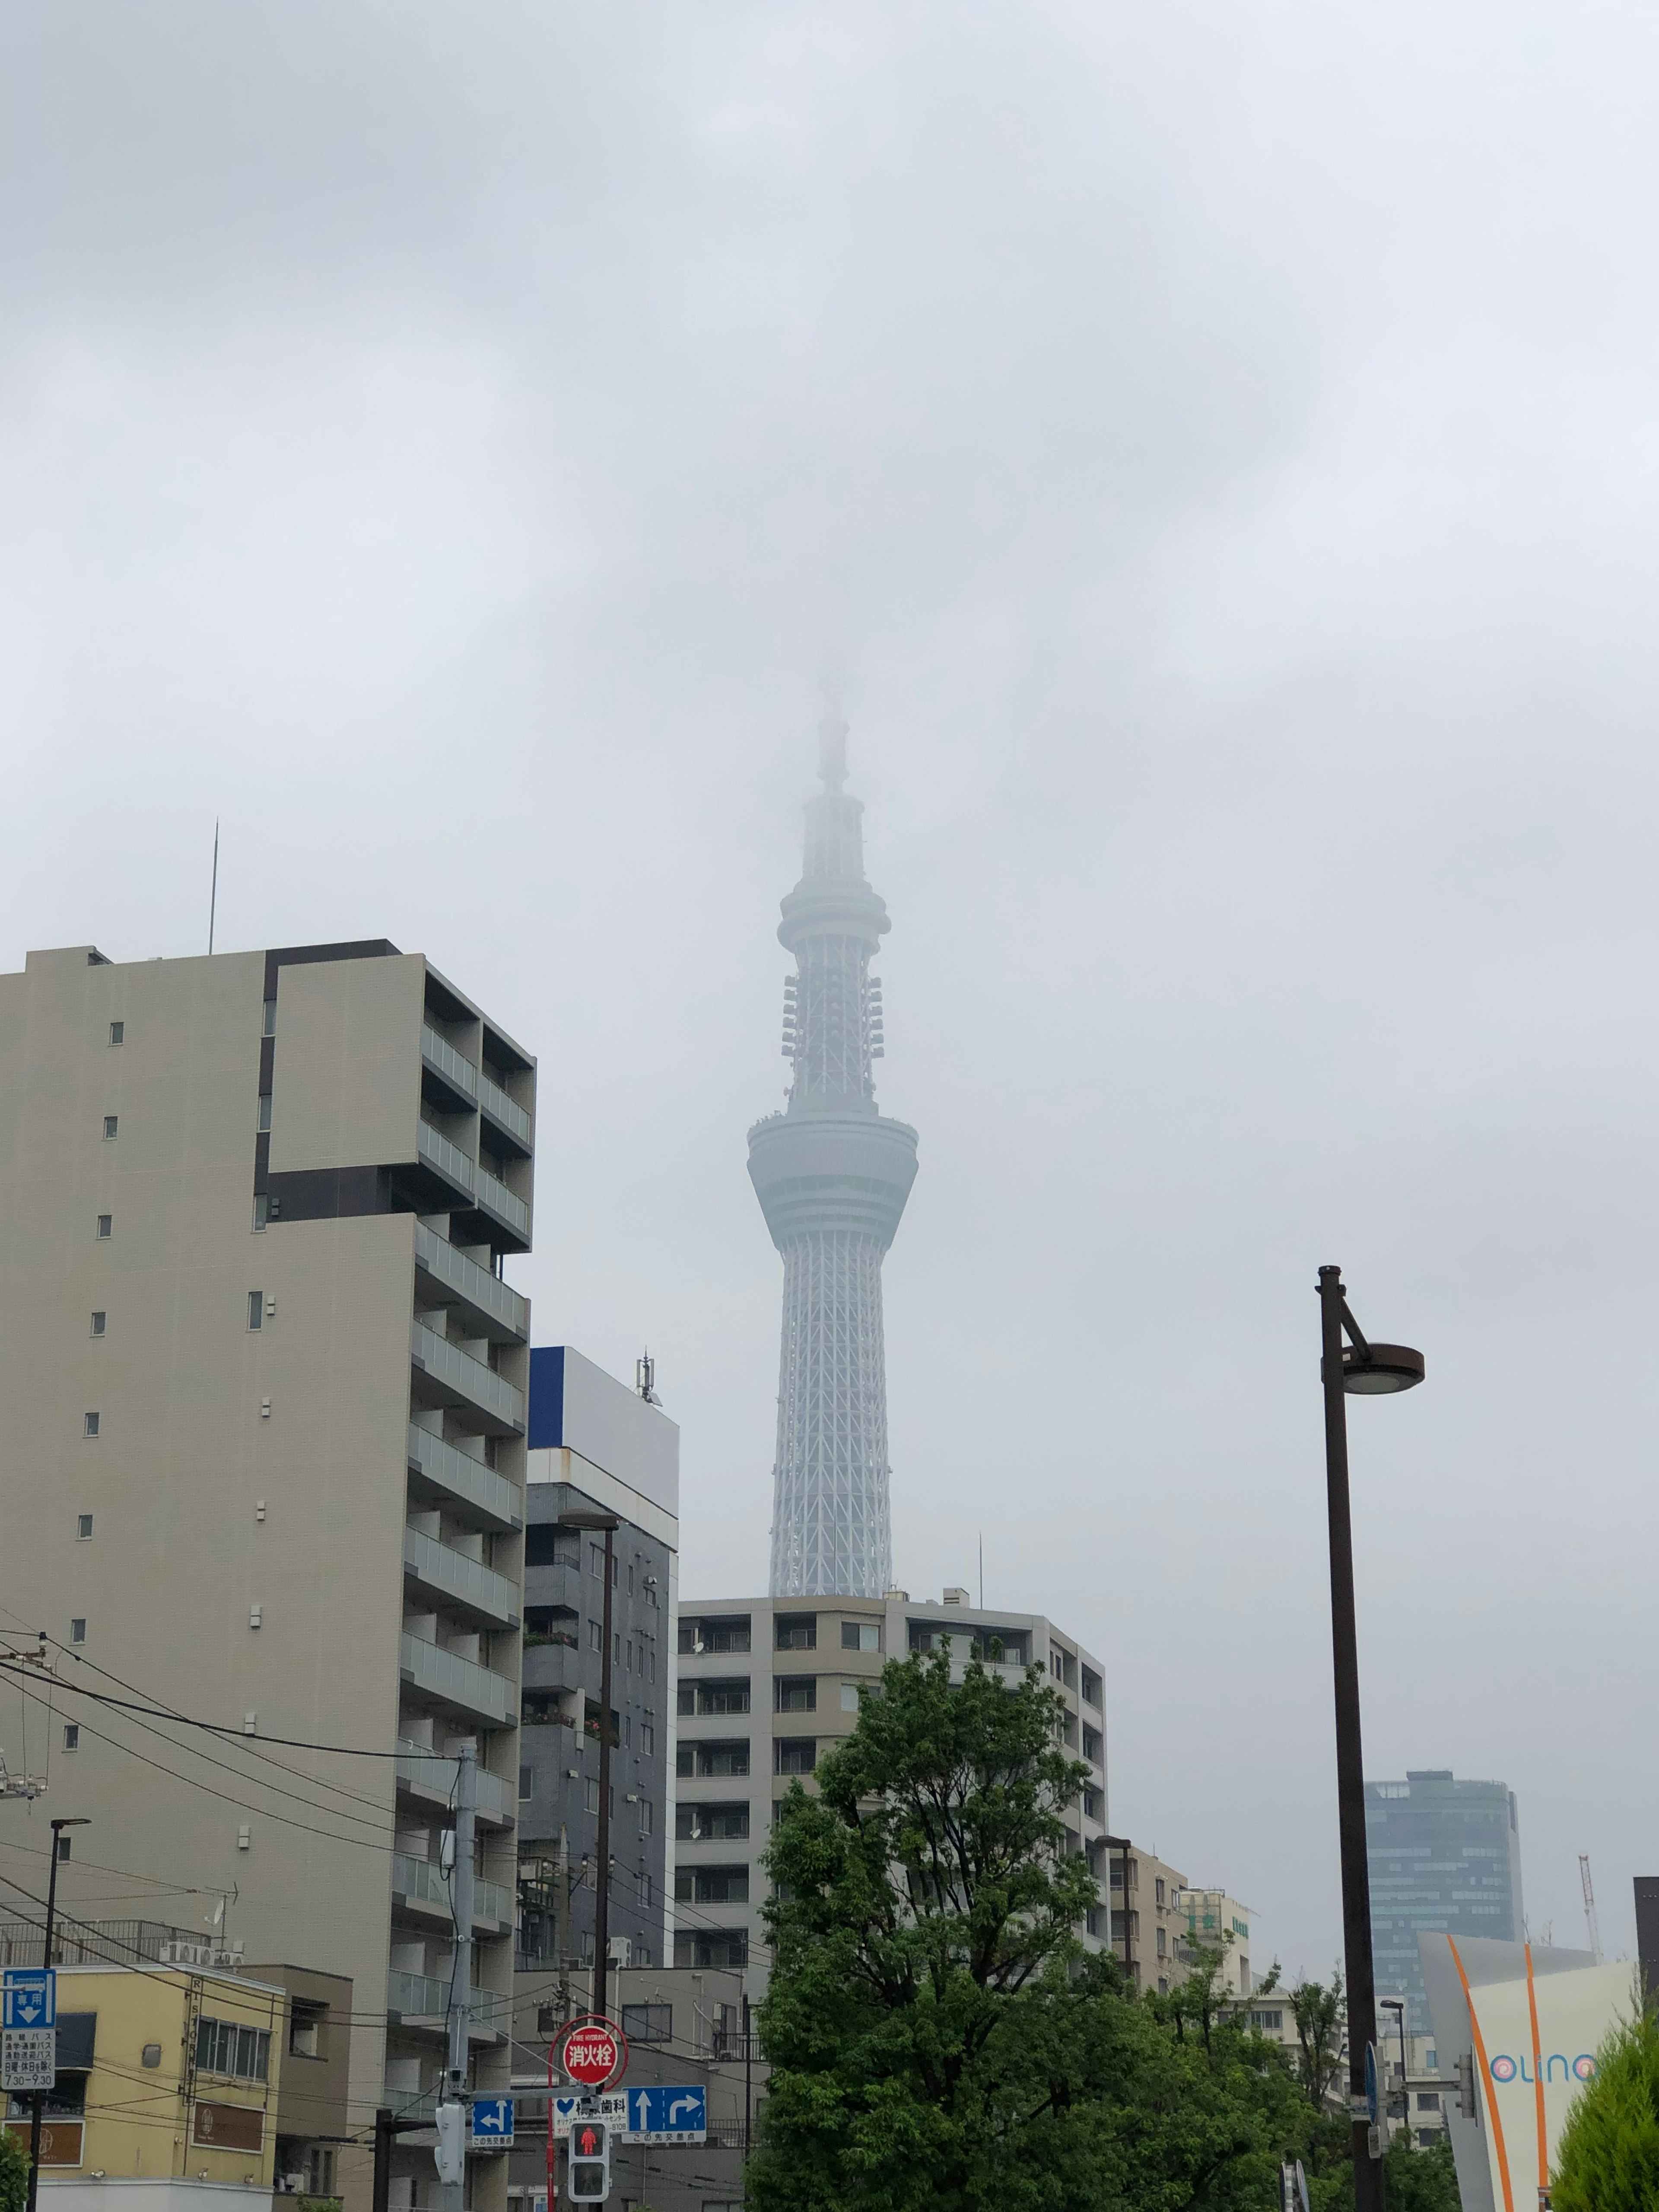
608	1522
1362	1370
38	2103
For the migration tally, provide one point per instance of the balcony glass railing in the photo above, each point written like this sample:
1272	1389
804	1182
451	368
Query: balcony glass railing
446	1363
451	1162
443	1568
424	1883
426	1996
482	1289
454	1067
459	1681
495	1198
430	1774
465	1479
501	1110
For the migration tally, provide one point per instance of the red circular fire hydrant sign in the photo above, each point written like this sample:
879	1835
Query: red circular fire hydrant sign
594	2052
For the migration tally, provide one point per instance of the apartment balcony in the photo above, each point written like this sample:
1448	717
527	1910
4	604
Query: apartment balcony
460	1685
452	1171
447	1376
487	1306
499	1205
441	1475
441	1571
506	1115
422	2001
454	1070
552	1666
420	1886
430	1778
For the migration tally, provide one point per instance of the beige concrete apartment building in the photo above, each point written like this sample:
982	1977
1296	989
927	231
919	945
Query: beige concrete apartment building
766	1686
261	1439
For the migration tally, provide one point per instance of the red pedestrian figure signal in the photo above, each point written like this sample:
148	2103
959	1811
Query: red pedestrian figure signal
590	2163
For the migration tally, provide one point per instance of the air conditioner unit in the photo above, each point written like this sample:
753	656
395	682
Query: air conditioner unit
621	1950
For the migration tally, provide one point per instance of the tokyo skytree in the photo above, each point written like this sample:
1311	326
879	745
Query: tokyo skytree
832	1175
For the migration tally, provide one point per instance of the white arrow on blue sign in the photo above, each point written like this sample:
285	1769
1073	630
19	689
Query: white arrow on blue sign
492	2120
678	2113
31	1996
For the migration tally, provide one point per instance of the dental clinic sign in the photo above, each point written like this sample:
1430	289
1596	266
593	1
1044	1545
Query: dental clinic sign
1534	2019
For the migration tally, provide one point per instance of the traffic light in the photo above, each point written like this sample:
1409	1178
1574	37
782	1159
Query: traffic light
590	2161
1467	2105
451	2149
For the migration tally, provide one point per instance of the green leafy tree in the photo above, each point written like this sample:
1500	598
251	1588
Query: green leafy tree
14	2174
1608	2160
1318	2011
1420	2179
937	2035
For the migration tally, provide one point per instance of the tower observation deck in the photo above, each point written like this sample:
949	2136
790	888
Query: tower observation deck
832	1175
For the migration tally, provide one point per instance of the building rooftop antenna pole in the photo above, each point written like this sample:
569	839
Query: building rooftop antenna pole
213	895
1590	1920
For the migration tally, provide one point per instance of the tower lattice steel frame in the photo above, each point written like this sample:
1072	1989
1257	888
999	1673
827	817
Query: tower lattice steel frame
832	1175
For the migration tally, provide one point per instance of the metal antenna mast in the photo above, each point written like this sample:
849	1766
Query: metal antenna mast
213	895
1590	1921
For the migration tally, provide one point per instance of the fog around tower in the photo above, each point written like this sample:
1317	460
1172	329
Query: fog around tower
1218	445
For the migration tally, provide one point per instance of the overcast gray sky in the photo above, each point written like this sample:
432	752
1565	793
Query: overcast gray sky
1215	448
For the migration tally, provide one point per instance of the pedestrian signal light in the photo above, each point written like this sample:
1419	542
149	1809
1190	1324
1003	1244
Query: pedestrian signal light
590	2163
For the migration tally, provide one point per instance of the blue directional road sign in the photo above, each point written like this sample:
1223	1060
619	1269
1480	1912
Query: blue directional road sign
661	2114
31	1996
492	2122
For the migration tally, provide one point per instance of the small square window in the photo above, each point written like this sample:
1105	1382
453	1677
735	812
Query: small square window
106	1224
83	1526
98	1322
91	1421
265	1112
256	1309
118	1032
71	1736
77	1631
111	1125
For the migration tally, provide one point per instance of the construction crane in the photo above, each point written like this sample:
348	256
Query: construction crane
1589	1906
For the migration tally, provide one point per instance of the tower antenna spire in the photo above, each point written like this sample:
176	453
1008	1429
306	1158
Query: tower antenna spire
832	1175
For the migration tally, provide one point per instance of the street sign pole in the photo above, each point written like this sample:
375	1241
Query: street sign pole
37	2107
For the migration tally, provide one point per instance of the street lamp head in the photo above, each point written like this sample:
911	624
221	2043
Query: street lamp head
83	1822
1377	1371
599	1522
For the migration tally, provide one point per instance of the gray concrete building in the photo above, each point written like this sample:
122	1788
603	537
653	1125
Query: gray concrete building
1444	1858
262	1458
766	1686
596	1444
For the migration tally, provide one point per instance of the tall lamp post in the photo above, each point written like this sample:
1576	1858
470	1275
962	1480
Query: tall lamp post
1355	1369
608	1522
38	2103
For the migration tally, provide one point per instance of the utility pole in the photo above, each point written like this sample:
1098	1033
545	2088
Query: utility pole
460	1985
38	2102
608	1524
561	1935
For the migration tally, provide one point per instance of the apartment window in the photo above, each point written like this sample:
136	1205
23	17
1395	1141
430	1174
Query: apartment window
628	1655
99	1322
649	2023
526	1783
596	1560
1157	1889
698	1824
721	1632
616	1647
730	1697
106	1224
723	1758
647	1817
91	1424
628	1731
595	1636
256	1309
64	1846
725	1947
227	2046
71	1736
261	1211
82	1528
1091	1687
797	1631
592	1794
118	1032
796	1693
849	1697
545	1546
305	2029
264	1113
796	1755
647	1739
711	1885
111	1125
1162	1944
630	1579
270	1018
860	1636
